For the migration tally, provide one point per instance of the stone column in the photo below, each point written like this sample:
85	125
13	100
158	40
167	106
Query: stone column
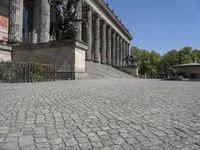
109	46
89	34
124	52
97	39
113	48
128	47
103	46
120	51
79	24
15	21
44	21
117	51
36	21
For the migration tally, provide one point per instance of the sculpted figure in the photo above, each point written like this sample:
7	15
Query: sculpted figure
130	60
67	16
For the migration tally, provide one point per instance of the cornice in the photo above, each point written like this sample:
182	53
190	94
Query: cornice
102	5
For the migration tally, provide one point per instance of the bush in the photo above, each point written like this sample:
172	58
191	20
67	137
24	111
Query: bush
25	72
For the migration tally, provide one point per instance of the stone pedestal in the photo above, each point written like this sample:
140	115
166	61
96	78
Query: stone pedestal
130	69
62	54
5	53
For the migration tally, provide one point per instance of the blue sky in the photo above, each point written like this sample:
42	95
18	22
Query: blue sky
160	25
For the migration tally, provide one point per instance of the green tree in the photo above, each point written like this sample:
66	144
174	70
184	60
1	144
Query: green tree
148	61
135	51
185	55
170	59
155	59
152	64
196	55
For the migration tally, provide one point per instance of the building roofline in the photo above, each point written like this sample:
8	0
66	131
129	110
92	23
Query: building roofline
187	65
114	19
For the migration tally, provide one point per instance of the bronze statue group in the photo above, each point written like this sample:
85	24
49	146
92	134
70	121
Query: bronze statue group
66	17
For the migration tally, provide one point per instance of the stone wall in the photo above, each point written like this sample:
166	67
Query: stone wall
5	53
62	54
130	69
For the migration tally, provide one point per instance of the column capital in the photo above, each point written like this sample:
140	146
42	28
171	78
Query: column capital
109	27
117	35
120	38
97	16
113	32
88	8
104	22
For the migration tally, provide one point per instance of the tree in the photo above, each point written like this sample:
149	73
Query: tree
170	59
196	55
148	61
185	55
152	64
155	59
135	51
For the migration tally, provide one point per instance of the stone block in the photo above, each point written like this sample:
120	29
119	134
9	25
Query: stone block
63	54
5	53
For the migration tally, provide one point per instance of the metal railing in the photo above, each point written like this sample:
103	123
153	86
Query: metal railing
11	72
65	73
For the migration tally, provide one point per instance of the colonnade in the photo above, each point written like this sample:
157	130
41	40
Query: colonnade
105	44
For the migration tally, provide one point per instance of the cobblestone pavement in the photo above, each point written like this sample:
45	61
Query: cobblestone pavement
100	114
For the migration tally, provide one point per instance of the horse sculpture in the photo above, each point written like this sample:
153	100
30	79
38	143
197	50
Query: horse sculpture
65	25
130	60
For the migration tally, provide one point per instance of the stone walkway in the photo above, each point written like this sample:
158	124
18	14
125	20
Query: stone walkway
100	114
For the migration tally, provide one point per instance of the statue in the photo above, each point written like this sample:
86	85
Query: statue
67	16
130	60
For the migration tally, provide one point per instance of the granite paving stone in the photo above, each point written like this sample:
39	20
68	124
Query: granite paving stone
105	114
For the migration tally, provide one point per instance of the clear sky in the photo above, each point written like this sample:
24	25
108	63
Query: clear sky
160	25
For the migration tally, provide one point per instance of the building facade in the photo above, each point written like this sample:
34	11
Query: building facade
107	38
3	21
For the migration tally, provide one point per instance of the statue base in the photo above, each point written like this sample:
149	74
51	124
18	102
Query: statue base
5	53
130	69
66	55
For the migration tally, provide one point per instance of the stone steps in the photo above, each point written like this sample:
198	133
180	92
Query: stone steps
99	71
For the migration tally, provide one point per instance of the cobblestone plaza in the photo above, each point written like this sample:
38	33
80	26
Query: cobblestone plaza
100	114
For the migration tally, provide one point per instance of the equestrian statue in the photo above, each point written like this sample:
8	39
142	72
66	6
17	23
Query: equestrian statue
66	18
130	60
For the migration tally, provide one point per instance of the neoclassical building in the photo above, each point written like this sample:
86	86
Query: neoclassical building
107	38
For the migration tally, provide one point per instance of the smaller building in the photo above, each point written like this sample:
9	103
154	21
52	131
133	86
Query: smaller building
189	71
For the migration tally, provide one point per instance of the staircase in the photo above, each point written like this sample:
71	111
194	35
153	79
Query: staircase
99	71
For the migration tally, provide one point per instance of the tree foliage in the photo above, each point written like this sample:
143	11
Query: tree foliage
152	63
